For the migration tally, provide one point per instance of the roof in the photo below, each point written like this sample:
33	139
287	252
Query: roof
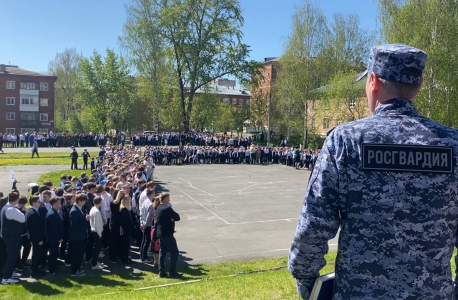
269	60
360	85
15	70
224	90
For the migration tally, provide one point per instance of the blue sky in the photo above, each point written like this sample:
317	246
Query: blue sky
35	30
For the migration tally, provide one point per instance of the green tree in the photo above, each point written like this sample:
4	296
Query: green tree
65	67
431	26
105	89
206	110
202	40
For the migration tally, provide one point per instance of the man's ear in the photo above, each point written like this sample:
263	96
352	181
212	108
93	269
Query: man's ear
374	82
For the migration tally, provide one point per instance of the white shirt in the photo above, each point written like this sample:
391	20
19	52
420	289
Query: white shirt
11	213
106	201
96	221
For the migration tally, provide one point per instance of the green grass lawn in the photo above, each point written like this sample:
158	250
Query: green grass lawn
46	158
258	279
55	176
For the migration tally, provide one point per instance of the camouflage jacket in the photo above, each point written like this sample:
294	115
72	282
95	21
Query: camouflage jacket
397	209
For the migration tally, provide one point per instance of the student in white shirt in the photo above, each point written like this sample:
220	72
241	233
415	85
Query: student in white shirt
96	222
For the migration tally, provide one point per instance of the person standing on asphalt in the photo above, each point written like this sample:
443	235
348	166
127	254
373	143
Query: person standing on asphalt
389	182
74	156
166	218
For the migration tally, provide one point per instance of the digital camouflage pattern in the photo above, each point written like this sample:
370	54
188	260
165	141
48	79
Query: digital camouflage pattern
398	229
396	62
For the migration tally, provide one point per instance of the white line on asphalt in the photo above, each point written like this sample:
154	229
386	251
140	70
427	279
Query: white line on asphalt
203	206
190	184
266	221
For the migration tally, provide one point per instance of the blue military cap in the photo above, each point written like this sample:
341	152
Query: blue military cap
396	62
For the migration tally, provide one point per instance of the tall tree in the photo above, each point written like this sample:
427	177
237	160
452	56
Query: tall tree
431	26
206	110
65	67
105	89
202	39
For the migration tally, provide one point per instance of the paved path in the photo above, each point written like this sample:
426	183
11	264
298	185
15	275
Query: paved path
24	175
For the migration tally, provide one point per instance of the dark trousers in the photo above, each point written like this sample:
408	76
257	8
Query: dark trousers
97	246
78	249
3	254
85	164
114	243
74	163
168	244
89	246
37	256
146	241
13	248
64	244
25	243
69	255
125	246
35	151
52	258
106	235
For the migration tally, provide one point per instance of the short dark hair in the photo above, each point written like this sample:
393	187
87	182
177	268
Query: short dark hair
149	192
22	199
33	199
13	196
91	186
97	200
59	192
54	200
81	197
400	89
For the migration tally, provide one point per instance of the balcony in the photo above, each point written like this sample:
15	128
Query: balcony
28	124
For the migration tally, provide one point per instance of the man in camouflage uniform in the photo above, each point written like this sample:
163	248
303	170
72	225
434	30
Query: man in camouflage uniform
390	183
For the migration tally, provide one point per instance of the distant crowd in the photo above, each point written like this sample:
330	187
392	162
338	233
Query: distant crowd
139	139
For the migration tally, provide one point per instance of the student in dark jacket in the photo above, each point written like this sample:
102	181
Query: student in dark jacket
166	218
26	246
78	233
91	188
64	247
54	233
36	234
127	227
115	238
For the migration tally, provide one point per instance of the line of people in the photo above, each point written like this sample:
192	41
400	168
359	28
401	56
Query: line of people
86	218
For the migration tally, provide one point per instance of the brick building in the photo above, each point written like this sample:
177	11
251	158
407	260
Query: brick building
26	100
271	68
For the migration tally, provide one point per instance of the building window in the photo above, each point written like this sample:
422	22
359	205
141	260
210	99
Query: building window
313	123
326	104
325	123
43	130
10	130
338	123
313	104
29	116
27	130
10	116
226	100
10	101
43	102
44	86
44	117
352	103
10	85
27	85
248	102
234	100
26	100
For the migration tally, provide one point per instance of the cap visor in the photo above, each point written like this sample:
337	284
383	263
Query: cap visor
361	76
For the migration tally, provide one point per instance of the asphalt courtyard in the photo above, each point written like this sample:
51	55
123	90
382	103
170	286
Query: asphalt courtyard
234	212
228	212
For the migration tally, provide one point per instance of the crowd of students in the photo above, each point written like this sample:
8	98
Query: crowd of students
85	218
292	157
